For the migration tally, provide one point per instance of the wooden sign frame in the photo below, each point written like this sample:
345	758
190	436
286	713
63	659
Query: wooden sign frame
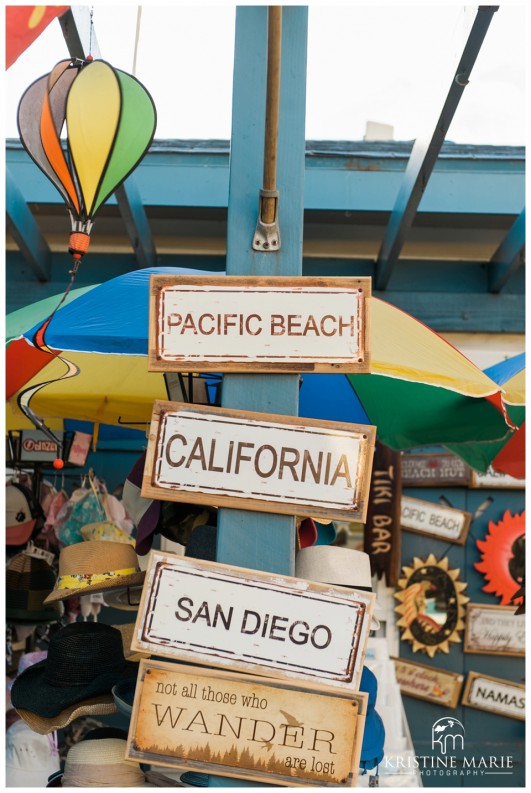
251	621
475	612
433	470
433	509
327	477
470	685
275	732
441	681
492	479
230	324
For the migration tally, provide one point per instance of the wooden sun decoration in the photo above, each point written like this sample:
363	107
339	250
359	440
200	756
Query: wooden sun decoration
432	605
503	557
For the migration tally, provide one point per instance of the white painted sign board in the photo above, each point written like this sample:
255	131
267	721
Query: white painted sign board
270	324
495	695
434	520
493	479
252	621
258	461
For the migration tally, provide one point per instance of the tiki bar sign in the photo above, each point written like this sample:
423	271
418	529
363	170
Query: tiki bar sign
258	461
264	623
244	726
270	324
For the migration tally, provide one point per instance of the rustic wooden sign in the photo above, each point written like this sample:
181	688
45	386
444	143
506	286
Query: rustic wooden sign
381	537
260	324
495	479
252	621
433	470
244	726
494	630
494	695
435	520
258	461
429	683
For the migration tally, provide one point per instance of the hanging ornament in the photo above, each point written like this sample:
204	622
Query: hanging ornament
503	558
110	122
431	605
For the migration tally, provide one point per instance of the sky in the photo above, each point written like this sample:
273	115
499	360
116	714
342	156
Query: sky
386	63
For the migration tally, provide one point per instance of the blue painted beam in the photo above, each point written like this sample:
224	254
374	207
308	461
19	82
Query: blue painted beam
425	153
509	256
474	180
81	41
23	226
254	539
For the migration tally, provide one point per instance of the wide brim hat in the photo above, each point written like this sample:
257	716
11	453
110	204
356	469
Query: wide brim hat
29	582
95	566
85	660
100	763
333	564
103	705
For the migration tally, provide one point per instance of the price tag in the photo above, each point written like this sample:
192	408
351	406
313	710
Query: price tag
39	553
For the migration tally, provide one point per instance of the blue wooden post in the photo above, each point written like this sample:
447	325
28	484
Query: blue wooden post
252	539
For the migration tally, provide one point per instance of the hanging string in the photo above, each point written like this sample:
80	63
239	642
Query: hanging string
137	38
90	31
39	341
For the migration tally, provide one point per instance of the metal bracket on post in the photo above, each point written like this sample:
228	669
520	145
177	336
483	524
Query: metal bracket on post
267	234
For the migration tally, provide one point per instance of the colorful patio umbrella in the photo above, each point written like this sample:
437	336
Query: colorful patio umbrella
422	390
508	454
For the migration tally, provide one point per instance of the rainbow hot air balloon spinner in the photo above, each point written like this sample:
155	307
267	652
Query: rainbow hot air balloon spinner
110	121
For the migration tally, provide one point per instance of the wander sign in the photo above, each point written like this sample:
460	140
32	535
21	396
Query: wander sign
258	461
270	324
207	612
244	726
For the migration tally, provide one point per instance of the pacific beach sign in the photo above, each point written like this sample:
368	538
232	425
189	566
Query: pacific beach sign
258	461
253	323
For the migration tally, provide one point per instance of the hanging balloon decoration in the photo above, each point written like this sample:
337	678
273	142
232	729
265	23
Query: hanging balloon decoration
109	119
110	122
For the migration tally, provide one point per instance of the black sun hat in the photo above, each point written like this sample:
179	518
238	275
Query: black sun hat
84	661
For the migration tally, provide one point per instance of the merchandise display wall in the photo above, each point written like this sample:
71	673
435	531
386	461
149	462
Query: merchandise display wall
486	733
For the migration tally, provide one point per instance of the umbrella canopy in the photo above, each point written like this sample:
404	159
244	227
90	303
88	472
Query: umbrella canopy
422	390
508	454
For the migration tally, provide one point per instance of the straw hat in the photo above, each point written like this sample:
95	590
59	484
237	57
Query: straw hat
333	564
101	763
85	660
95	566
29	582
102	705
